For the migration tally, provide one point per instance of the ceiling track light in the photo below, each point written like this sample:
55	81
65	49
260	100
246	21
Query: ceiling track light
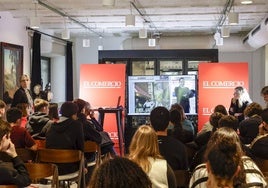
225	31
143	33
108	2
35	21
218	39
151	42
246	2
233	18
130	18
65	33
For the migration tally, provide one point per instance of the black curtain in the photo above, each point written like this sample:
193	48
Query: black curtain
36	60
69	72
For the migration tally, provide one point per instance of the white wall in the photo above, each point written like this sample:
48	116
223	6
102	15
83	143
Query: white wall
14	31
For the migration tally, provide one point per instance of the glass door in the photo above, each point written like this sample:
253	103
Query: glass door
143	67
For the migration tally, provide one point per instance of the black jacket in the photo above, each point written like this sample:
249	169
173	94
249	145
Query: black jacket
16	174
20	97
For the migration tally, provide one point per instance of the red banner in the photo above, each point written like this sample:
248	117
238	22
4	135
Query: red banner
102	85
216	83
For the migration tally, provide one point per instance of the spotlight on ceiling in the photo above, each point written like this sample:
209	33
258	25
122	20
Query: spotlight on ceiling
143	33
34	22
246	2
151	42
108	2
130	20
218	39
233	18
65	34
225	31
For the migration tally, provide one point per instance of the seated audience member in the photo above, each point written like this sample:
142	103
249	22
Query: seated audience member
144	150
67	133
170	148
226	165
249	127
264	94
2	110
202	140
92	129
25	109
178	132
229	121
186	124
259	146
207	126
53	112
15	174
39	120
19	135
119	173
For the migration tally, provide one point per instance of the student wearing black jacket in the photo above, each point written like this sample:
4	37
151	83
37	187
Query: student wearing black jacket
17	173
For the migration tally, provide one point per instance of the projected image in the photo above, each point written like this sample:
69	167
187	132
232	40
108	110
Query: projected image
147	92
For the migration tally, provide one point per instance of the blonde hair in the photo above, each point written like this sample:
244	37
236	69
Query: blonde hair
243	96
143	145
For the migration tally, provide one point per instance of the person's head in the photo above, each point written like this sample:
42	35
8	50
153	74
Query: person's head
37	89
88	109
220	108
223	156
81	105
24	81
214	119
159	118
264	93
144	144
119	173
181	82
178	107
175	117
253	109
263	127
5	130
41	105
2	109
14	115
241	94
53	111
229	121
25	109
69	109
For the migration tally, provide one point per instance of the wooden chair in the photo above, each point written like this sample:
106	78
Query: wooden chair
8	186
62	156
182	178
25	154
263	166
39	171
93	147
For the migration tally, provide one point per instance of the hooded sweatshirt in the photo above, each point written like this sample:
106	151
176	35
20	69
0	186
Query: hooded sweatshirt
66	134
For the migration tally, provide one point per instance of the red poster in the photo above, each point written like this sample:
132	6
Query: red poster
216	83
101	85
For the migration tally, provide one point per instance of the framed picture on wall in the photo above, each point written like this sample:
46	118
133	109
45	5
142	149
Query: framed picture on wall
11	59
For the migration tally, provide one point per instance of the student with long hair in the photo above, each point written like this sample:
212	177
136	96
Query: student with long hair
144	150
226	165
239	102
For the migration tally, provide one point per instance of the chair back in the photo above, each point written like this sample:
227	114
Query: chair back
8	186
63	156
26	155
93	147
263	166
38	171
182	178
